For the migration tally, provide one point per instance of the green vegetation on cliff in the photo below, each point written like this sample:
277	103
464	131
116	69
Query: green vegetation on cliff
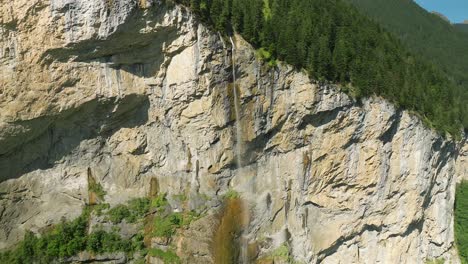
168	257
334	42
165	225
68	239
136	209
153	217
461	220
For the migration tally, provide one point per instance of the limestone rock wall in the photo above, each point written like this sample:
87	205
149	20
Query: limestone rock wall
134	90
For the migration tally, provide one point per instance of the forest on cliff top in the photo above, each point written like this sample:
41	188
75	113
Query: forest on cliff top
423	33
334	42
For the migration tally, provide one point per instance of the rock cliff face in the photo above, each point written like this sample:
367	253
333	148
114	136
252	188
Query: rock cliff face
129	91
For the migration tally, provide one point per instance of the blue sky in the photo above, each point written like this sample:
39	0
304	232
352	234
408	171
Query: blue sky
455	10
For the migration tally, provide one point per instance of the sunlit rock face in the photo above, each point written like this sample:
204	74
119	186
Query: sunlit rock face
131	91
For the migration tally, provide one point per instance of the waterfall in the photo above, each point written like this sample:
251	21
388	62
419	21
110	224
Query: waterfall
236	108
108	78
244	240
244	250
118	78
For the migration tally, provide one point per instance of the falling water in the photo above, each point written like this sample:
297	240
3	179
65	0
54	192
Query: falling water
236	109
244	241
118	78
244	250
108	78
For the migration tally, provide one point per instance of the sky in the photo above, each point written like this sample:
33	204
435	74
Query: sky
455	10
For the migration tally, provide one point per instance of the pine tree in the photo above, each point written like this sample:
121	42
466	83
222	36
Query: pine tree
340	61
324	58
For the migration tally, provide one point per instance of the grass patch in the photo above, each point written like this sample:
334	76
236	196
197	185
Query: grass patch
435	261
281	252
140	261
97	189
168	257
231	194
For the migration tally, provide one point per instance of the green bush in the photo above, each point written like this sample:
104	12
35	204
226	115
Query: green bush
135	210
165	226
139	206
435	261
97	189
231	194
281	252
100	208
159	201
67	239
104	242
118	213
138	242
189	217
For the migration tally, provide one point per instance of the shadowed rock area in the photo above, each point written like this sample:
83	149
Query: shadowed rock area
39	143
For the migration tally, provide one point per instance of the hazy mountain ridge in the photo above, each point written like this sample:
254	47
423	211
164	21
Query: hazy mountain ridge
422	32
462	26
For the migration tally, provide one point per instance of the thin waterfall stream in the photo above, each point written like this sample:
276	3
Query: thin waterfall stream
236	108
244	241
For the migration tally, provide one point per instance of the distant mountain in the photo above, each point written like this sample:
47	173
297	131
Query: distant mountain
424	33
441	16
462	26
